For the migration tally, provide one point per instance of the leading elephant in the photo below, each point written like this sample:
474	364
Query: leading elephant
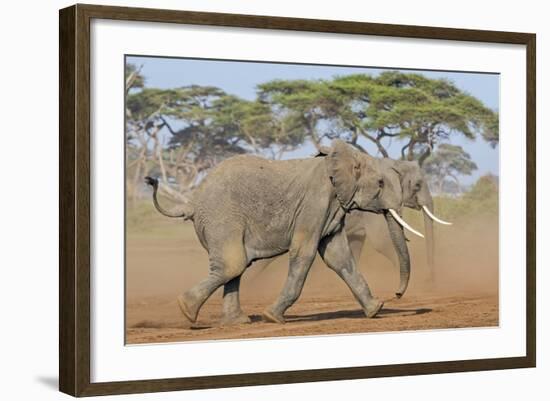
250	208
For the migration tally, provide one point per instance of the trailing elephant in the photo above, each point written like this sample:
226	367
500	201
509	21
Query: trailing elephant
384	233
250	208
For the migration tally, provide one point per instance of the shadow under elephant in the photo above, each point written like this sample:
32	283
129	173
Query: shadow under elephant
348	314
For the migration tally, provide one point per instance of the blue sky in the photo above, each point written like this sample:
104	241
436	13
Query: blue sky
240	78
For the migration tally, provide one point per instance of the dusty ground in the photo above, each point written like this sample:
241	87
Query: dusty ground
166	259
159	321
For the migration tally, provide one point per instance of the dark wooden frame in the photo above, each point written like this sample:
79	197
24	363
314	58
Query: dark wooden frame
74	199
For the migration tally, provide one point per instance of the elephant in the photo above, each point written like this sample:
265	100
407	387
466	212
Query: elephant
417	196
250	208
408	179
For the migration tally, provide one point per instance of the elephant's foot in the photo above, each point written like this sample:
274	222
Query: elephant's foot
373	307
231	320
272	317
184	303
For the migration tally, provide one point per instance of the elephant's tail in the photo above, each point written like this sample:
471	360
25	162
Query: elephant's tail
186	212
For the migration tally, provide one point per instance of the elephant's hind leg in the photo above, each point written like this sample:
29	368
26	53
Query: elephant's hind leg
232	312
225	265
300	263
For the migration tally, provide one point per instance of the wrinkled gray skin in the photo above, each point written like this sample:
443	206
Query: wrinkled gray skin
250	208
415	193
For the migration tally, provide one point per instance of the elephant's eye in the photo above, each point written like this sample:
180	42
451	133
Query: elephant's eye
417	186
380	183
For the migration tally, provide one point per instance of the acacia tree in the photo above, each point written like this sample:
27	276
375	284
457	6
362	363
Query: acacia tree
415	110
143	124
410	108
302	104
448	162
194	145
182	133
256	127
425	112
215	125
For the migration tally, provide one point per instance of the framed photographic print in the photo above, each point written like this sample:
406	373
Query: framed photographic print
250	200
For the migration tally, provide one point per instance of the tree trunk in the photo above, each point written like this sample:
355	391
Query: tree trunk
424	156
377	142
410	153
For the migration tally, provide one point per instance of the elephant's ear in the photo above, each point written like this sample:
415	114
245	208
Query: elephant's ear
344	170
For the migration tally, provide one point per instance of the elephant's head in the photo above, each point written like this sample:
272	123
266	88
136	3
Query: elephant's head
369	184
360	180
416	195
356	177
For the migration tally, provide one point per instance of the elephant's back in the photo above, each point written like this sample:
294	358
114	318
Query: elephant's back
250	177
253	188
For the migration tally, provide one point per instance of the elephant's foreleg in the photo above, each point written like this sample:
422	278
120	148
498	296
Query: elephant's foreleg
336	253
300	263
224	266
232	312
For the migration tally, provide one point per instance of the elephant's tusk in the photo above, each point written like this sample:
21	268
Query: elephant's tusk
434	218
403	223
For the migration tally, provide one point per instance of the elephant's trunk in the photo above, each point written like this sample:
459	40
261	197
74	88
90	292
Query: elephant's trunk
429	231
399	242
